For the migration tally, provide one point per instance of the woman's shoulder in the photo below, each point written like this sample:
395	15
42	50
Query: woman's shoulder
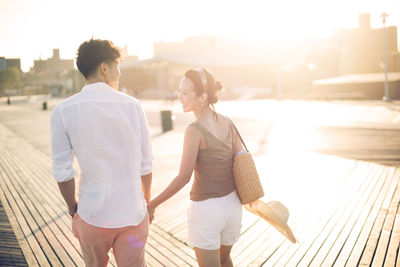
224	118
193	129
193	134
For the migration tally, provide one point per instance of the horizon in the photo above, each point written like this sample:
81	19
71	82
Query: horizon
41	24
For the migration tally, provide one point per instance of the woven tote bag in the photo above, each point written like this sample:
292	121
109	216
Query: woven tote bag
247	181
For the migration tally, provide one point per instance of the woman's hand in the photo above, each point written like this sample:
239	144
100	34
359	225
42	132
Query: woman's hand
191	146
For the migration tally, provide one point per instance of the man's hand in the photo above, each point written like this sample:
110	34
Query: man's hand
72	210
151	210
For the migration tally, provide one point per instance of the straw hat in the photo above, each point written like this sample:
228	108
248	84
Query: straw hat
275	213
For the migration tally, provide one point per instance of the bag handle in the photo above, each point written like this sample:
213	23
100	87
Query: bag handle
241	139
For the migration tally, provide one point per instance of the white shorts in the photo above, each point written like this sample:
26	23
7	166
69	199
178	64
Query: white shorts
214	222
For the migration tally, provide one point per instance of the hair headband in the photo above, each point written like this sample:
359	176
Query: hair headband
203	79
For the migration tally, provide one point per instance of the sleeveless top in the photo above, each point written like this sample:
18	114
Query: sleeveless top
213	172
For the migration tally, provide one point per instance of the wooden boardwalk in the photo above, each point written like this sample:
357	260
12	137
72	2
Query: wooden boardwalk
10	252
344	212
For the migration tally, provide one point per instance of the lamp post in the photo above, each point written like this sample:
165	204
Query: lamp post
386	98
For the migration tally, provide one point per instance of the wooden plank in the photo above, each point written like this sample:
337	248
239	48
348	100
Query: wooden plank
372	241
55	192
303	230
362	240
45	182
271	241
248	242
394	241
170	258
23	244
156	254
180	232
48	191
331	217
37	252
384	238
281	253
172	213
50	188
356	197
151	260
314	223
51	198
366	203
36	196
175	251
393	249
55	213
183	250
42	234
39	208
308	228
265	245
359	230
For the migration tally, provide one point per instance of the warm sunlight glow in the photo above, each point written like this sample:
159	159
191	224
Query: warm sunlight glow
33	28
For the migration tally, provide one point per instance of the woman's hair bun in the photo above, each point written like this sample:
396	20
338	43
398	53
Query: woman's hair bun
218	86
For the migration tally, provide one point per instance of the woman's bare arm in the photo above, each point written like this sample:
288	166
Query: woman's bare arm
191	146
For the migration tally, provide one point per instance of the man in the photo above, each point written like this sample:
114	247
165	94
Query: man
107	132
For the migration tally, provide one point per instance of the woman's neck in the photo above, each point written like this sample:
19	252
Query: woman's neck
202	112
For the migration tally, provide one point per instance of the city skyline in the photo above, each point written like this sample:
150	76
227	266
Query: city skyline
34	28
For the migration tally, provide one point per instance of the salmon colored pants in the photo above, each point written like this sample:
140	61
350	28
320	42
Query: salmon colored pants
128	243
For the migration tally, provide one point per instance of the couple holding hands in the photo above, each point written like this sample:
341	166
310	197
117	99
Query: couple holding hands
107	132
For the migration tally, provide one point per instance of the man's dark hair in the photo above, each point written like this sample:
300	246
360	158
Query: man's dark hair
94	52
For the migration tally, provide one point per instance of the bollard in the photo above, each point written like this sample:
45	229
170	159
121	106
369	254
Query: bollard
8	101
44	105
166	120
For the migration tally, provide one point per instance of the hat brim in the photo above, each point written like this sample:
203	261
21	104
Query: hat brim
261	209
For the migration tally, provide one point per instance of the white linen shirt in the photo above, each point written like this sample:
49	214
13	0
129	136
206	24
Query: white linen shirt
107	131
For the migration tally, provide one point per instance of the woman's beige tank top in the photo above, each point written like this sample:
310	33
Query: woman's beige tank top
213	174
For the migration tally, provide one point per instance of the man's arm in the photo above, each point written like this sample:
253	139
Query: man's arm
146	186
67	190
147	155
63	158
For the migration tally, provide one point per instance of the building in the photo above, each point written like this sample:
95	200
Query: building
364	86
10	63
361	49
224	51
155	77
159	78
54	76
290	65
53	64
360	64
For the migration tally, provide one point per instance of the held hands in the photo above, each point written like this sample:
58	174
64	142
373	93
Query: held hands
73	209
151	210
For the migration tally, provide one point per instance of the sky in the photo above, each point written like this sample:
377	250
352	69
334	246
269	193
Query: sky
30	29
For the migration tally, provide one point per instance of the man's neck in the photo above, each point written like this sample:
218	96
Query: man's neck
95	79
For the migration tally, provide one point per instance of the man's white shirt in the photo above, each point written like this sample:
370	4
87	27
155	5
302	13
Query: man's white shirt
107	131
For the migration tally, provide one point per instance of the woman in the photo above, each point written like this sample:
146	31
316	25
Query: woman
210	143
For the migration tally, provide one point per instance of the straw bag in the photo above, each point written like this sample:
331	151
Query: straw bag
247	181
